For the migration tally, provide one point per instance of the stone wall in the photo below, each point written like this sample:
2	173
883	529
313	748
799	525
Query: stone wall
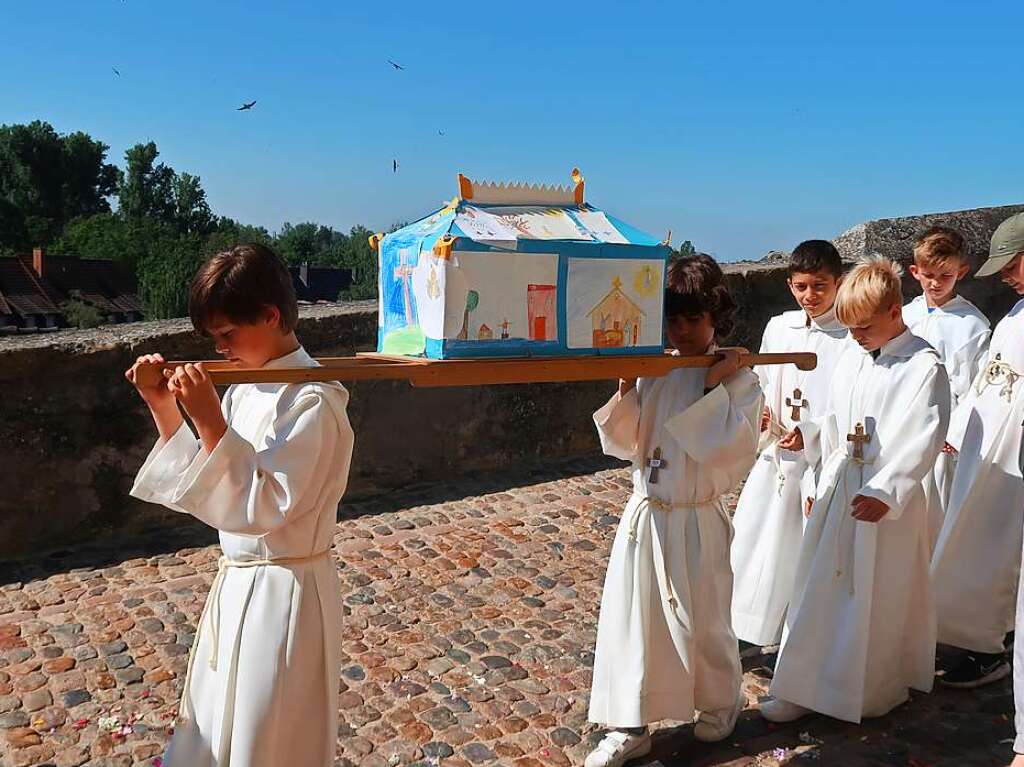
74	433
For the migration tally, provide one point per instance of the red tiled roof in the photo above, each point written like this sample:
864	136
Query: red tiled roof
23	291
104	284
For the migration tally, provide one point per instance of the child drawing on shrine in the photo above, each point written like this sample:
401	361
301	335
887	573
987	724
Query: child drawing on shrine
977	558
769	517
860	630
266	467
665	645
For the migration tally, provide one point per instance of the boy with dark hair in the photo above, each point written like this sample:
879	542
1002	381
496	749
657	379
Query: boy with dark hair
860	631
769	517
665	646
266	468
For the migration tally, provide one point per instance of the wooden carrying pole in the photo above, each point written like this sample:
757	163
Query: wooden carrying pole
477	372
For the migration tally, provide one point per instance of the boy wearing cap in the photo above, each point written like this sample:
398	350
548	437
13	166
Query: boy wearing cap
976	563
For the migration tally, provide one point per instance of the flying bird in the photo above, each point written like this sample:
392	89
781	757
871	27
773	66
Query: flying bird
396	66
246	106
116	72
394	166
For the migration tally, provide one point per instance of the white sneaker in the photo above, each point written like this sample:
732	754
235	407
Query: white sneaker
619	747
713	726
779	710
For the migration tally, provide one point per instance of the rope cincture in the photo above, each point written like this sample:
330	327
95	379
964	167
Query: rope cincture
212	609
650	502
997	372
840	569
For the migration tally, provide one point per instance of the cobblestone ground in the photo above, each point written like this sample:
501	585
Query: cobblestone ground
470	624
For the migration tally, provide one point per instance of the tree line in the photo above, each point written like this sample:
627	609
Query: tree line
58	191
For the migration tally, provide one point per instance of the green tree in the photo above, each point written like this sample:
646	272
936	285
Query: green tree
46	180
227	233
146	189
685	249
80	313
472	302
311	243
166	267
361	258
89	180
104	236
191	211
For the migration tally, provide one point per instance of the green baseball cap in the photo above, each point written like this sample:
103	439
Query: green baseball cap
1007	242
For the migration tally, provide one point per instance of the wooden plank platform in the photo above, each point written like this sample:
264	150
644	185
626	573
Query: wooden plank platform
478	372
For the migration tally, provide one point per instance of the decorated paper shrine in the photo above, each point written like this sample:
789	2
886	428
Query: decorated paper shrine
517	271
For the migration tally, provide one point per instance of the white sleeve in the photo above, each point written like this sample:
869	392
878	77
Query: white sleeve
965	364
167	461
925	421
239	489
618	425
722	426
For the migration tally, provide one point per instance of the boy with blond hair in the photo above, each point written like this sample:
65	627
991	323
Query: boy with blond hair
861	624
954	326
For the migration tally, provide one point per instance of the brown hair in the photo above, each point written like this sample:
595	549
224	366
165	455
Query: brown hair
696	285
240	283
937	245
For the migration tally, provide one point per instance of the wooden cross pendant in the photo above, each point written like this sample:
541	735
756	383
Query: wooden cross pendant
797	404
859	438
654	463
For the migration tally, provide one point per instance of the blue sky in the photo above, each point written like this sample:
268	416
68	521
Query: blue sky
742	127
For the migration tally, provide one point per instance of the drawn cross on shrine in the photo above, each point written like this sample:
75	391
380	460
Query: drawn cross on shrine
403	272
656	462
859	438
797	403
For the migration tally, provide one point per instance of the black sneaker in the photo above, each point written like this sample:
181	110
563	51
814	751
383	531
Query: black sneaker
748	650
976	669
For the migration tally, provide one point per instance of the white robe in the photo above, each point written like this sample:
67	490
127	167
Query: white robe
861	623
959	332
769	517
1018	675
665	645
271	487
977	558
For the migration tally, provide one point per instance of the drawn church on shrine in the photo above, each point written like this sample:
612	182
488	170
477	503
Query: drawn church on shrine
517	270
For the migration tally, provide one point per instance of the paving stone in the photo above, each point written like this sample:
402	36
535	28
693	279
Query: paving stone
14	719
478	753
74	698
437	750
112	648
37	699
468	639
119	661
